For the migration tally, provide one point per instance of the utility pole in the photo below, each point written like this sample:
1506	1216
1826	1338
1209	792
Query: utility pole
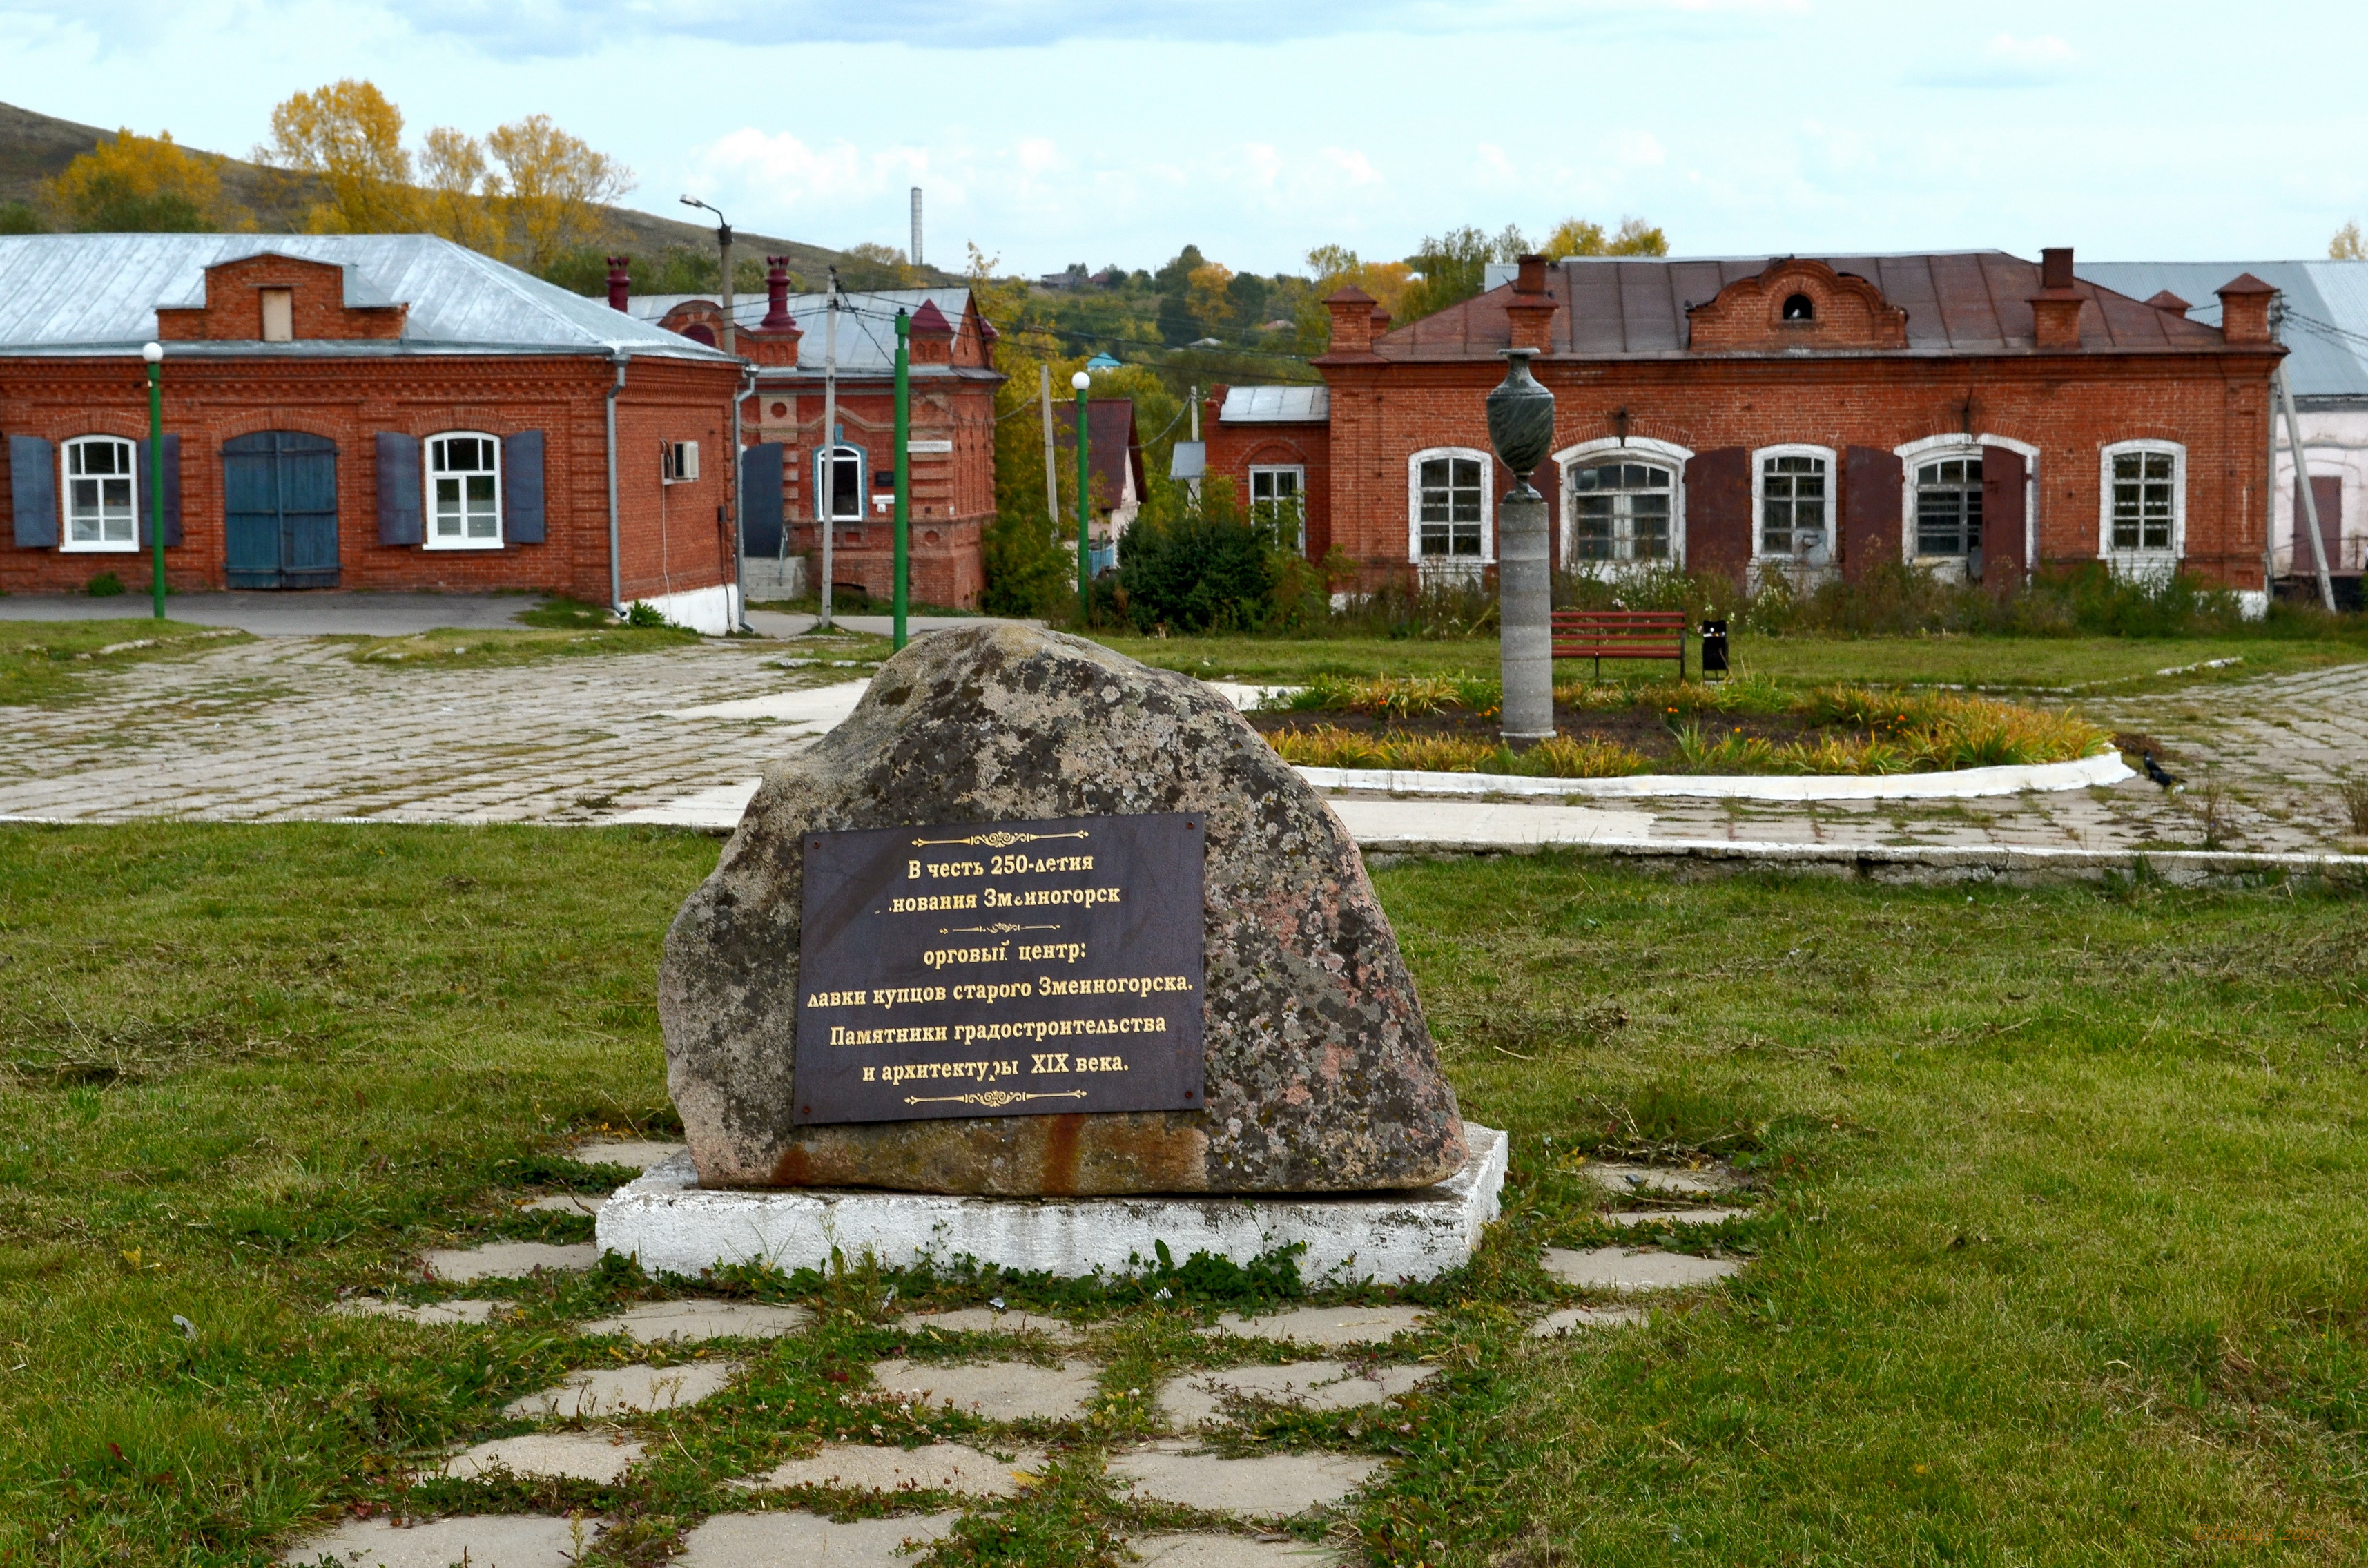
730	344
2306	504
155	355
1052	470
825	502
903	463
1080	381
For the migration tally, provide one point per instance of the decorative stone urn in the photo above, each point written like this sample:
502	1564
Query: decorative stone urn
1522	427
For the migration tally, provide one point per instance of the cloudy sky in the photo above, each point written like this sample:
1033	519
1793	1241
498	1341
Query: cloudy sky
1049	132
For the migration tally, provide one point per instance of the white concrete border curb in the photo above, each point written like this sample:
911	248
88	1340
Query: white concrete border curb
2105	767
670	1224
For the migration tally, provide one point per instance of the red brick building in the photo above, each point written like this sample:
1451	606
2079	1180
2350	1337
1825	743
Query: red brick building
1971	413
1275	445
786	457
381	412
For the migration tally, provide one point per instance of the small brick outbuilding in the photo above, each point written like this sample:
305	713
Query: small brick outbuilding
375	412
1971	412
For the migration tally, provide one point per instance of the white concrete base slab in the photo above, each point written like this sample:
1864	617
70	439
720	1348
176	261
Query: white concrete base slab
987	1320
941	1467
1573	1320
434	1312
807	1540
636	1389
655	1323
484	1540
1491	824
994	1390
670	1224
1328	1326
507	1260
1655	1178
1965	783
815	707
639	1153
571	1456
1207	1550
1263	1486
1627	1270
712	612
1198	1398
563	1203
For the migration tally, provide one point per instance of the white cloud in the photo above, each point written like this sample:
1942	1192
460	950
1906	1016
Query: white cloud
2006	61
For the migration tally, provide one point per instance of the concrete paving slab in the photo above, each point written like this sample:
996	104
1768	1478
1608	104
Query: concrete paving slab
564	1203
1262	1487
997	1391
1386	823
815	707
571	1456
432	1313
304	613
941	1467
1196	1398
1329	1327
1626	1178
625	1391
639	1153
1576	1320
1633	1216
507	1260
987	1320
1204	1550
1628	1270
655	1323
807	1540
485	1540
718	807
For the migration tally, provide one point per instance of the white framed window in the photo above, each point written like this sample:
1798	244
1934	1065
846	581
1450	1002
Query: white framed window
1450	509
1279	494
101	487
464	491
1792	504
839	487
1621	510
1948	511
2142	503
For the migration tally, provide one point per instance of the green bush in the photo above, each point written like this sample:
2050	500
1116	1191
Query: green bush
106	585
641	612
1207	565
1027	572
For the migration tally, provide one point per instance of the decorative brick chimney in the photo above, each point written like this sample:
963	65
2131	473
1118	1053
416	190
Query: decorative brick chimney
933	335
1532	308
2245	309
2056	309
621	281
1352	321
774	340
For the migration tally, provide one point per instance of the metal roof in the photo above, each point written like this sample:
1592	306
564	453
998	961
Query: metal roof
1276	405
867	322
1957	303
2324	300
99	294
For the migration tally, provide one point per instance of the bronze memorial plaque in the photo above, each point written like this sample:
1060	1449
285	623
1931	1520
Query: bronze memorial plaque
1001	969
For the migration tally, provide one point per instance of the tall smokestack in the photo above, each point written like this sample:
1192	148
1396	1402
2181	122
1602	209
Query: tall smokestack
916	257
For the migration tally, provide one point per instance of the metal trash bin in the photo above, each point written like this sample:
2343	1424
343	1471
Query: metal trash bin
1714	648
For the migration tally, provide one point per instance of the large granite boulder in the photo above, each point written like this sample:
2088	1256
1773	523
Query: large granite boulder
1320	1074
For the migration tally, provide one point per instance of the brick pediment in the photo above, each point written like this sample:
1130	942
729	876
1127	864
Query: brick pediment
233	311
1844	312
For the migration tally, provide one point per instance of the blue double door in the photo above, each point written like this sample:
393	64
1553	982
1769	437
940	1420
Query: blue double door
279	510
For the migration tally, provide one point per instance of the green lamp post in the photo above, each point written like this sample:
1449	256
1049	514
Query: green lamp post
1081	381
903	461
154	354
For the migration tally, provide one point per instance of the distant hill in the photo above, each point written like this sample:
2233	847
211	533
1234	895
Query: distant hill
37	147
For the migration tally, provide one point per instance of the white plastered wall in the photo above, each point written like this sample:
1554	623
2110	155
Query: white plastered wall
2335	441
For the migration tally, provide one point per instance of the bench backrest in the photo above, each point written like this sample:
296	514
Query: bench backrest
1614	625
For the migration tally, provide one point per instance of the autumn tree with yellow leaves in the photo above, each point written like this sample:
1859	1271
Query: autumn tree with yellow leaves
142	184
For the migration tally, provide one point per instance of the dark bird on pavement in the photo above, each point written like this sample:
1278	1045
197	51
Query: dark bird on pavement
2156	771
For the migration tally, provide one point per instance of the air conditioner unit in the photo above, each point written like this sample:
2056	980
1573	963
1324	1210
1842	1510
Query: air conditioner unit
681	461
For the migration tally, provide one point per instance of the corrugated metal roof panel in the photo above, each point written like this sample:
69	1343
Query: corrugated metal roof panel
1276	405
2320	294
100	292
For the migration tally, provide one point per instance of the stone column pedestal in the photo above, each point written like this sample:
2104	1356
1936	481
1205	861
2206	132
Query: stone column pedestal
1524	597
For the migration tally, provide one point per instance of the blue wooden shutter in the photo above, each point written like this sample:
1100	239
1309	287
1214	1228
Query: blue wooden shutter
760	500
522	488
33	491
146	490
398	489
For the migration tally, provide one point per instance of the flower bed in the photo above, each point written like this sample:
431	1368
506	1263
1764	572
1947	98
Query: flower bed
1605	730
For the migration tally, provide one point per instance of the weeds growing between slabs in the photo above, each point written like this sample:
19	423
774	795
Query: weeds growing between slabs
2053	1224
1606	730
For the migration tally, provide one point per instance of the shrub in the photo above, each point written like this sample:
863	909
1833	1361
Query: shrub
1028	574
106	585
1211	567
641	612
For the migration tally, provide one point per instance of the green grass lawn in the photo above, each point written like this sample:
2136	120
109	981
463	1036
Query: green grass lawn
2059	1252
1968	661
53	662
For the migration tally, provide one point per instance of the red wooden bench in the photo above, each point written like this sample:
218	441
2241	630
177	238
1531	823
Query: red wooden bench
1602	634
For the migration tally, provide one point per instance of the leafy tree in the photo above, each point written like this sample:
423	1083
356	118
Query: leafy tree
1245	298
1337	266
349	137
1209	294
2347	245
552	188
19	217
878	266
140	184
454	199
1454	267
1577	236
